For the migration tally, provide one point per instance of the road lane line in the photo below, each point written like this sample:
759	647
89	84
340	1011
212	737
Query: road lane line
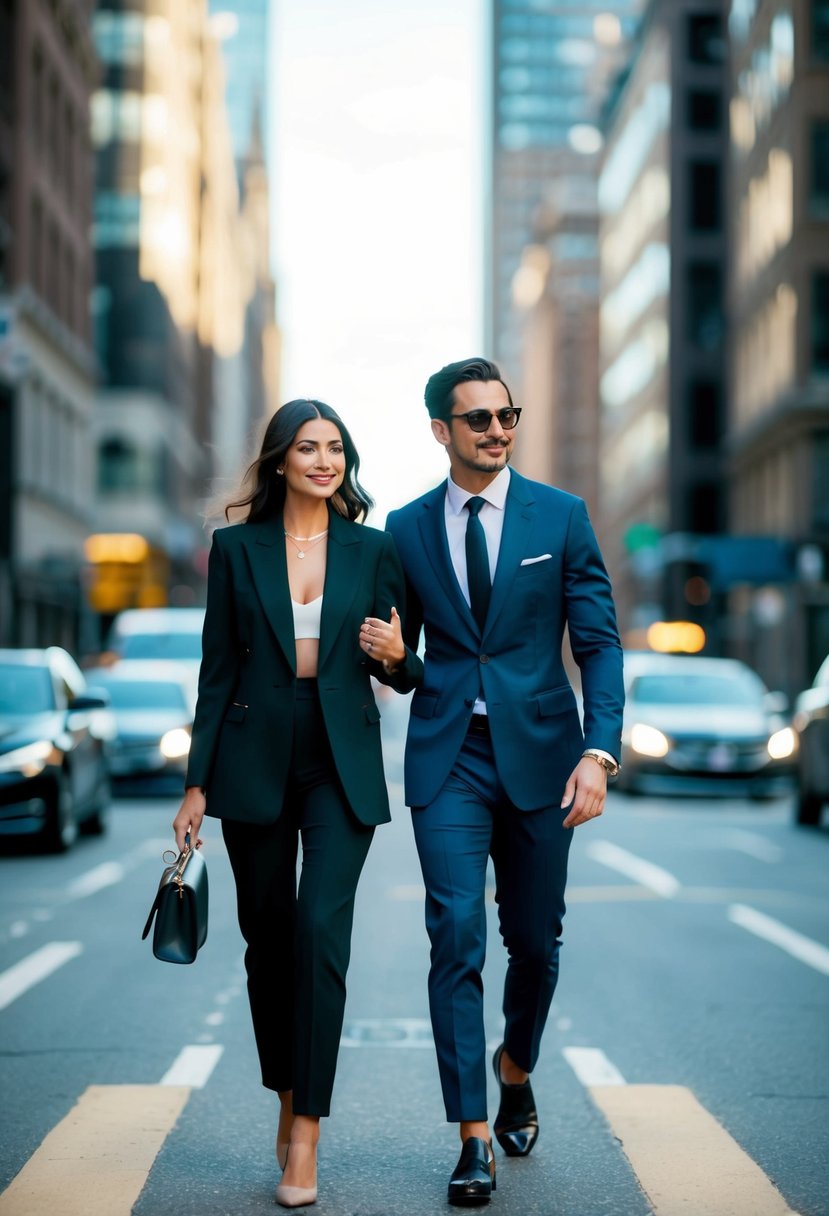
592	1066
796	944
644	872
684	1159
96	1161
754	845
34	968
108	874
193	1065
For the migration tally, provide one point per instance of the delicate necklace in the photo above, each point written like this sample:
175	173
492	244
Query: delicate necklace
309	540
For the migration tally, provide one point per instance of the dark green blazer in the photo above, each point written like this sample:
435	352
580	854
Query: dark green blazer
243	729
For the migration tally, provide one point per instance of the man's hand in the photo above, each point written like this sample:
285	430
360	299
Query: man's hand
586	788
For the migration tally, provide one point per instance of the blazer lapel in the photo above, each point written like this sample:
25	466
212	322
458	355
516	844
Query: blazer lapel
269	567
433	534
342	578
519	515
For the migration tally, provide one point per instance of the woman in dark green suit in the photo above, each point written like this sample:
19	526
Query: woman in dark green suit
303	608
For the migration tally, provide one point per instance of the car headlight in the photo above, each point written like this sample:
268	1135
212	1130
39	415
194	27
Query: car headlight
175	743
29	760
648	741
782	743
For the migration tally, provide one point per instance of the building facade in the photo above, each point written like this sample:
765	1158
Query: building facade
178	280
552	64
778	422
663	251
48	71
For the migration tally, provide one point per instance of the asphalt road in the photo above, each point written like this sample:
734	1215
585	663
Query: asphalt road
696	961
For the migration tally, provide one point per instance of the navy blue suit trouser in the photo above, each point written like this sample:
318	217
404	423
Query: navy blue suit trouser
470	820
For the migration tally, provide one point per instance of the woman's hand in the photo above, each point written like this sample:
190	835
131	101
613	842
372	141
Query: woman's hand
189	817
383	640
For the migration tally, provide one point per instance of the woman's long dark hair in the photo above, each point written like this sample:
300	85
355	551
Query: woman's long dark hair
263	490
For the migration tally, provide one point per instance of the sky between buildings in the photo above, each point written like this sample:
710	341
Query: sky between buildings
378	127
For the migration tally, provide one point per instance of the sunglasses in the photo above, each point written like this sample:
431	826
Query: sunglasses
481	420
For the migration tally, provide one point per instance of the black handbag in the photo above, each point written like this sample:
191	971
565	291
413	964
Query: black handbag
180	909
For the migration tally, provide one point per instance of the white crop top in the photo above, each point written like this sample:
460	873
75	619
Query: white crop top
307	618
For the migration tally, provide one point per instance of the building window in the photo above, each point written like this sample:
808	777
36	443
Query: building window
704	203
706	43
819	186
704	110
37	97
54	125
704	413
704	299
36	246
820	29
705	508
820	322
117	467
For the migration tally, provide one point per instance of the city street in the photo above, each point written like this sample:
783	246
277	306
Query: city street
694	988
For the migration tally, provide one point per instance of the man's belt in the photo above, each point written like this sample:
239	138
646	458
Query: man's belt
478	725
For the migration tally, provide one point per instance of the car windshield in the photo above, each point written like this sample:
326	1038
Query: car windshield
160	646
25	690
146	694
690	689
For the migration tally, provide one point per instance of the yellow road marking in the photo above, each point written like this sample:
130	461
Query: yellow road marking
97	1159
685	1161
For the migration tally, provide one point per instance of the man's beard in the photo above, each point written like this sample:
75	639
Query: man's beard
485	464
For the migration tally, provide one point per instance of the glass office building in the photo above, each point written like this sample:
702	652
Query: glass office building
552	66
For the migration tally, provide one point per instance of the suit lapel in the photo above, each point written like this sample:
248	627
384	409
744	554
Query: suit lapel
342	578
269	567
433	534
519	515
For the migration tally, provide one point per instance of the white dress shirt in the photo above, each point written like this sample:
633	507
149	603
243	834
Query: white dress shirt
491	516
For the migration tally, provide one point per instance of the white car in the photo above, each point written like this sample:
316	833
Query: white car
697	725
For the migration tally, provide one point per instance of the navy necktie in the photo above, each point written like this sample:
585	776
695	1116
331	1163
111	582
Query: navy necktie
477	563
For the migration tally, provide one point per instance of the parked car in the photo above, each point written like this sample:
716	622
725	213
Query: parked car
697	725
153	704
811	721
55	733
167	634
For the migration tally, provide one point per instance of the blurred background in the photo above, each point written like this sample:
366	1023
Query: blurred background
210	206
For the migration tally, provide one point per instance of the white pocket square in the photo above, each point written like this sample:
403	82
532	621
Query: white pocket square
530	561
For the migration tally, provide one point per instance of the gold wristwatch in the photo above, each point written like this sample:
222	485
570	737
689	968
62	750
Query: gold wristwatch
609	766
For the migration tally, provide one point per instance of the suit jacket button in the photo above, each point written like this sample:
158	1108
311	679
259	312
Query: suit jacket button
484	658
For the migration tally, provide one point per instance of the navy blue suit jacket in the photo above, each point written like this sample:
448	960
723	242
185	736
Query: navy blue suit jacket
536	732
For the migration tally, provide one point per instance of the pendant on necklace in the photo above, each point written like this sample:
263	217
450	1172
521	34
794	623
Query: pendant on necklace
300	552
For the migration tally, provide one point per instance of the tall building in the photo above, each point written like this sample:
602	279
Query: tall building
47	72
663	251
778	422
552	64
177	312
243	28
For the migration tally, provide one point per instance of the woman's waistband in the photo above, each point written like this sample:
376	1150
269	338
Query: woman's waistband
307	688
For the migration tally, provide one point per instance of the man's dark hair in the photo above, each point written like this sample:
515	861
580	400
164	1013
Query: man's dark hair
441	385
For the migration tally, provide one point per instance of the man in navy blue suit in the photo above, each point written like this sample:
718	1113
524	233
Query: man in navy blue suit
497	762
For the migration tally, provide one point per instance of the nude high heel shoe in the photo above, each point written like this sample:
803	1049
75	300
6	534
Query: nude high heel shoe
294	1196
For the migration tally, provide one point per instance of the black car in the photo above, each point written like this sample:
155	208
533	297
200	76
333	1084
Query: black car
54	739
811	721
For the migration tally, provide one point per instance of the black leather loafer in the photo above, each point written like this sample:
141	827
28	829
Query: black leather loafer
473	1181
516	1124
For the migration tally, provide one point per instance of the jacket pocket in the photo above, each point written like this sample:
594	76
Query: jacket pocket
556	701
236	712
424	704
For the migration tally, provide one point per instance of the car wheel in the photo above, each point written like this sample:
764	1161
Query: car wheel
807	809
62	827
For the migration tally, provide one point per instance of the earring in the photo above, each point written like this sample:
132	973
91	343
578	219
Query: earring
281	472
